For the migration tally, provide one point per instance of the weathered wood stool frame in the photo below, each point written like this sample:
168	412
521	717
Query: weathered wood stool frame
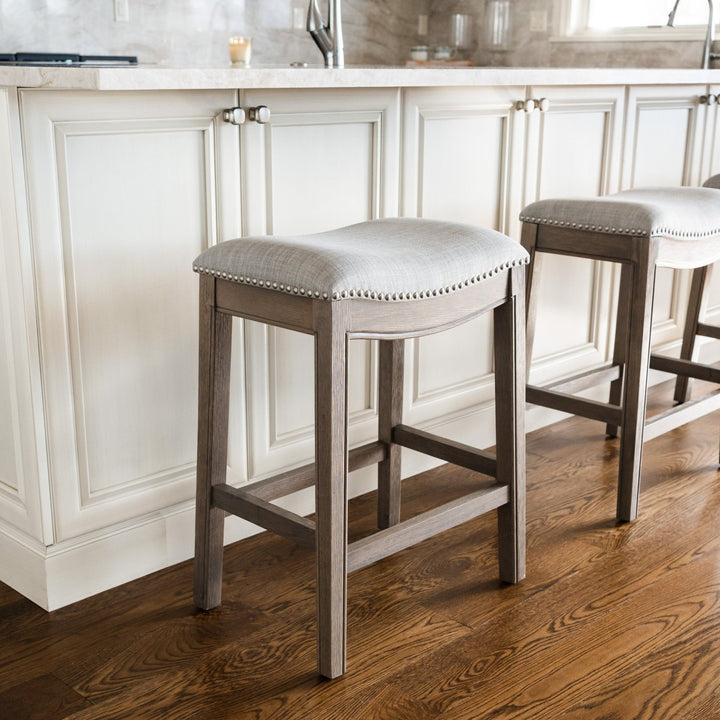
333	323
640	252
695	325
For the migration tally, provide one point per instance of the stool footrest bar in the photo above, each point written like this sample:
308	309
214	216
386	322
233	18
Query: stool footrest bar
681	414
444	449
409	532
686	368
604	412
303	477
260	512
706	330
583	381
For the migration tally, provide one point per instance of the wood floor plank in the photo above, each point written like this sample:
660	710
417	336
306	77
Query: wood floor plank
42	698
612	622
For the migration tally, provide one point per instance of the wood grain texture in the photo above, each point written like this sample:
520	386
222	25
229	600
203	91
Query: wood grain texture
391	363
215	338
613	621
509	348
331	321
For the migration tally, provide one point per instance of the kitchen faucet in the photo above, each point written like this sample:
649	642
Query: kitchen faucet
707	55
327	36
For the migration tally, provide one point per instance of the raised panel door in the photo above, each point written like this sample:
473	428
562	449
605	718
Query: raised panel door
20	472
326	159
125	190
462	161
574	149
663	147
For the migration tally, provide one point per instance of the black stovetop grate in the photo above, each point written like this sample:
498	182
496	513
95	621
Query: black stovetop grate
42	58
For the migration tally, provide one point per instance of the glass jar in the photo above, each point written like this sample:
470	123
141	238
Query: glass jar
497	24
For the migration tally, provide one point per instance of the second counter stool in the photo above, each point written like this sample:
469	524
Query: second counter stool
388	280
642	229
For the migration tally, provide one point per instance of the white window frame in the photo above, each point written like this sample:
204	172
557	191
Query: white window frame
572	27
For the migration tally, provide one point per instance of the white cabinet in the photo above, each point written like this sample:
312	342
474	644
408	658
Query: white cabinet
664	144
462	161
21	449
124	191
98	301
573	150
327	158
479	155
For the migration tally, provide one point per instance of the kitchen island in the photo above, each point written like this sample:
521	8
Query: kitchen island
116	178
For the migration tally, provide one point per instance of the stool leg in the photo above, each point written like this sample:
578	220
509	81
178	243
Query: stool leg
331	485
213	409
695	309
621	339
509	341
529	240
390	406
636	373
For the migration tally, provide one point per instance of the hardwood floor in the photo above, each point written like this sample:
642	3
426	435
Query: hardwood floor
612	622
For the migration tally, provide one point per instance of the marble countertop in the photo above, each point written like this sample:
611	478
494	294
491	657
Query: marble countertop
158	77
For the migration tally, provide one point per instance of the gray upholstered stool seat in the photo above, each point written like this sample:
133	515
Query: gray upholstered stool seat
426	258
641	229
387	280
679	217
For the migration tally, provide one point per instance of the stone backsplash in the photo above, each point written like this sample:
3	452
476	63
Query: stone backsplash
377	32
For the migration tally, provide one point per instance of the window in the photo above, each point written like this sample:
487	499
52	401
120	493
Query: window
634	17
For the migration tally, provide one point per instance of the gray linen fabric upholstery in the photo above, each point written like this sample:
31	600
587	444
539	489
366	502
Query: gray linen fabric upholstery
395	259
682	213
712	182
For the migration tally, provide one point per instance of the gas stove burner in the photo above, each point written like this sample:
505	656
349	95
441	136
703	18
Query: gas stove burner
42	58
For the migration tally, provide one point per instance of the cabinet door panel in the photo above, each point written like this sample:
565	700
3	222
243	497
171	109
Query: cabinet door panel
20	471
314	189
711	147
325	160
663	147
115	235
574	150
462	168
462	161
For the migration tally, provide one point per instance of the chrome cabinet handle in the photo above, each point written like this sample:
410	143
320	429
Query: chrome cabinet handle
259	114
235	116
527	105
543	104
708	99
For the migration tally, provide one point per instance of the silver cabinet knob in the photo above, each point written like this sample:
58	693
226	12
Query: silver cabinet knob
259	114
708	99
543	104
527	105
235	116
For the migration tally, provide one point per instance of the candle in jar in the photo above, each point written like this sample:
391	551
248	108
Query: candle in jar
240	49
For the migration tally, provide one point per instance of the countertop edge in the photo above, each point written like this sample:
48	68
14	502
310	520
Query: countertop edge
148	77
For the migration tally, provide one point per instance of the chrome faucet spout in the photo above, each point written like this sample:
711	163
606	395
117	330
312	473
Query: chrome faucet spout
327	36
707	54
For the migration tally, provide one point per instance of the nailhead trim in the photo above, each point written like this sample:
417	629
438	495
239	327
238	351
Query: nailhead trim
362	293
670	232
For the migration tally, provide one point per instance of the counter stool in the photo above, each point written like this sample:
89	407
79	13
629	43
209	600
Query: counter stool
388	280
643	229
694	322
